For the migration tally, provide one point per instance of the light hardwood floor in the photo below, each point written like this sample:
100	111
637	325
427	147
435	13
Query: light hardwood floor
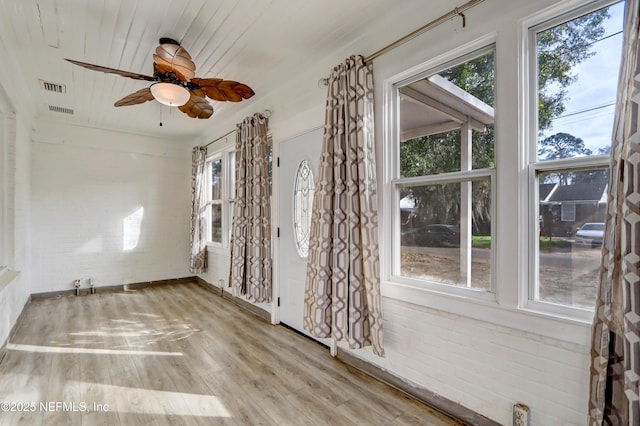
178	354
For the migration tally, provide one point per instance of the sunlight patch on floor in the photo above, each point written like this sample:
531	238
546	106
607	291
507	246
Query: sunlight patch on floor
121	399
146	401
21	387
70	350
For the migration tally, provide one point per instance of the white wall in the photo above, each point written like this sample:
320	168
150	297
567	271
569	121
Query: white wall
106	205
219	267
483	366
15	277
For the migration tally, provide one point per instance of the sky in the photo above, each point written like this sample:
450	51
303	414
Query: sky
586	115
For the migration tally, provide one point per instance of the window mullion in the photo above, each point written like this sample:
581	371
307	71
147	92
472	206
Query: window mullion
466	140
451	177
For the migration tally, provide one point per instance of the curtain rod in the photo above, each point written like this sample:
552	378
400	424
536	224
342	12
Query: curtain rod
217	139
266	113
458	11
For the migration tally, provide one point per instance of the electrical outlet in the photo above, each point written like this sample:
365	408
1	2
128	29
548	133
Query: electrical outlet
520	415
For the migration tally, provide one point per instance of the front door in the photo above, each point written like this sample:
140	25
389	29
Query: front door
298	168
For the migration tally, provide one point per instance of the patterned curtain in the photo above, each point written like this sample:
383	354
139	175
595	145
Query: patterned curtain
251	231
615	345
198	260
342	289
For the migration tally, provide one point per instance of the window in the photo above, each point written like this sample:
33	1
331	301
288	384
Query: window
568	159
221	169
444	175
215	202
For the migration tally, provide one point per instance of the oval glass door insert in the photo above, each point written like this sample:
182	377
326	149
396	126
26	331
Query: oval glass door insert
302	202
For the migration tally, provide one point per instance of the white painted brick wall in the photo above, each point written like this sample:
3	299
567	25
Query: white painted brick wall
9	187
21	215
485	367
219	264
16	186
89	187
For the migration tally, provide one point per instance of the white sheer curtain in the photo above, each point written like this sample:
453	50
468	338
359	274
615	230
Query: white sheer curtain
198	258
615	345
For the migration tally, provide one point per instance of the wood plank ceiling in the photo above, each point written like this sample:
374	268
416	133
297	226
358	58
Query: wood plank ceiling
261	43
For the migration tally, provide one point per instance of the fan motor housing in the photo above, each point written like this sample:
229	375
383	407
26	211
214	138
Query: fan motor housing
168	40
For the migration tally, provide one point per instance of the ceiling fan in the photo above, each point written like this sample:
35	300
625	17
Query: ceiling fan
175	83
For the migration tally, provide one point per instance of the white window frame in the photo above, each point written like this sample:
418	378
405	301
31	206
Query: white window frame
227	157
482	47
510	188
529	288
516	143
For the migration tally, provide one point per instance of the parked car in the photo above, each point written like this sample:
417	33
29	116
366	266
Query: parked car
590	233
436	235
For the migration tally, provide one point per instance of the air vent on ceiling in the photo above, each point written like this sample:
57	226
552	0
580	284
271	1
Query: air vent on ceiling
61	110
50	86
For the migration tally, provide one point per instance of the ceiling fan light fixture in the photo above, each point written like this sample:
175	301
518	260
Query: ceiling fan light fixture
170	94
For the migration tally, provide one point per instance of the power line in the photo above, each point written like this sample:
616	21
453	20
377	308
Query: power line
585	110
588	44
580	118
605	37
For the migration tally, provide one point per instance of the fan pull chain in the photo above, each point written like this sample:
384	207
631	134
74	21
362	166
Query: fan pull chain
160	115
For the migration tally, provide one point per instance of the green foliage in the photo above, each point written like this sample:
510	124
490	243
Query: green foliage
476	77
560	49
604	150
478	241
562	145
429	155
549	244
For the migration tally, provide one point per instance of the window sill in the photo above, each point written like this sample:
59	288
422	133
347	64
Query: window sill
545	324
7	276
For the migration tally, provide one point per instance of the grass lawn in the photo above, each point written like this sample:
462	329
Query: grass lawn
481	241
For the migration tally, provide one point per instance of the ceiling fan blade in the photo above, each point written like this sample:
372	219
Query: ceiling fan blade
224	90
210	87
142	95
107	70
199	92
177	58
197	107
235	91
